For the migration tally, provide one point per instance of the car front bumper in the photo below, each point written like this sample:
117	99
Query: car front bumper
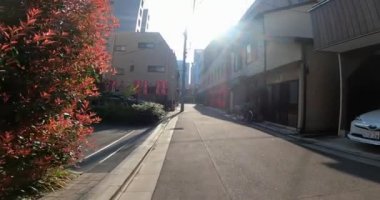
363	140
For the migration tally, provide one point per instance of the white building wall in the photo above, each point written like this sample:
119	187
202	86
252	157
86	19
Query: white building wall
256	39
295	22
160	55
282	52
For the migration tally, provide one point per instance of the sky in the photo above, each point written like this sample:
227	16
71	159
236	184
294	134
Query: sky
210	19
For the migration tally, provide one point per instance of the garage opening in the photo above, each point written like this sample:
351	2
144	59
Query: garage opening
364	89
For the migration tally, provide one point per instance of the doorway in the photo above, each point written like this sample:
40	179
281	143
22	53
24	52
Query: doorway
282	105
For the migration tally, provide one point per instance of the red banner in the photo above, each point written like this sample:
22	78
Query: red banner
164	87
158	86
161	87
145	92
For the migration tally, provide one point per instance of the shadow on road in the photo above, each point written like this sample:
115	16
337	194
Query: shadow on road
342	164
215	114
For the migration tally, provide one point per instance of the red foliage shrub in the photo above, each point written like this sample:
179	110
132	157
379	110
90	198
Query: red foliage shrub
49	63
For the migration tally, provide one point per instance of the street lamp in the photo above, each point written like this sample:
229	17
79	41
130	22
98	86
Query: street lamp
184	71
184	65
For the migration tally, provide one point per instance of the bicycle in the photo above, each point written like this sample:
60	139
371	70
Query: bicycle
250	113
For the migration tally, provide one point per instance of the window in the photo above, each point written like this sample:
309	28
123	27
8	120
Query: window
119	71
131	68
156	68
120	48
146	45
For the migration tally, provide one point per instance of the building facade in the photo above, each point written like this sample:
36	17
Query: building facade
145	21
196	68
145	64
269	62
129	13
351	30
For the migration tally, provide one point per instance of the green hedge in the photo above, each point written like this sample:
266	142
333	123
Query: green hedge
144	113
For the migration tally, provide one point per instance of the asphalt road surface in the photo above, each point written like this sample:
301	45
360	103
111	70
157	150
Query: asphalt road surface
109	145
211	157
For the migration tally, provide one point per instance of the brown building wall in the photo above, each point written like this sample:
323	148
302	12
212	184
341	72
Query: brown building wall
322	94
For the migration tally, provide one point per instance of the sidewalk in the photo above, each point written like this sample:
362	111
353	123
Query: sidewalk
337	145
144	181
333	144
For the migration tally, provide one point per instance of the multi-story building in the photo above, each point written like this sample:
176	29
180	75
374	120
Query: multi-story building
129	13
214	88
351	30
144	62
269	61
145	21
187	73
196	68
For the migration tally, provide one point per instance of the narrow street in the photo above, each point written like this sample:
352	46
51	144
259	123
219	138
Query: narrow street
211	157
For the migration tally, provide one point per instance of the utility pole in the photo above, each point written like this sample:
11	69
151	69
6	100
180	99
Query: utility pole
184	65
184	71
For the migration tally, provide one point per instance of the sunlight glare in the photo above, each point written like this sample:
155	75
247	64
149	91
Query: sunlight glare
211	19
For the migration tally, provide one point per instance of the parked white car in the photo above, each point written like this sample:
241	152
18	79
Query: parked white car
366	128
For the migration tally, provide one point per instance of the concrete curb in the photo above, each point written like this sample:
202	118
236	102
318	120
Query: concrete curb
143	183
110	186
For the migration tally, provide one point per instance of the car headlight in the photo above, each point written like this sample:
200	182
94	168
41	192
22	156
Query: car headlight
358	119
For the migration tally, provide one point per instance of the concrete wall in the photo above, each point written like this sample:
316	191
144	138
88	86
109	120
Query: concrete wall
322	95
282	52
161	54
294	22
284	73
